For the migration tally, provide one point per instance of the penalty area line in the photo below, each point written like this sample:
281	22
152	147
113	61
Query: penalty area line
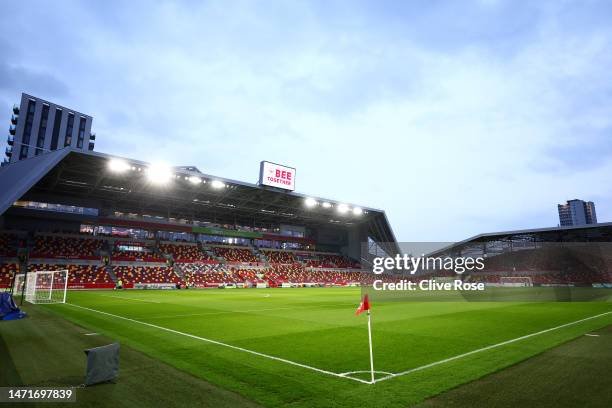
503	343
218	343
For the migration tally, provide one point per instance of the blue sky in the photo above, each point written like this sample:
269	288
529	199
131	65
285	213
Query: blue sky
454	117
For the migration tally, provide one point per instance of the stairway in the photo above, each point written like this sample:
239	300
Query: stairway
261	257
178	272
109	270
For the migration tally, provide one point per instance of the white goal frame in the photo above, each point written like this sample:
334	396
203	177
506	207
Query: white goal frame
516	281
43	286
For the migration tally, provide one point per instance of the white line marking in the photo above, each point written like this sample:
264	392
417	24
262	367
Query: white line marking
592	335
91	334
489	347
345	375
222	344
348	374
129	298
363	371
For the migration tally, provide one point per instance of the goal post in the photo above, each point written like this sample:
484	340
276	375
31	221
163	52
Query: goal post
43	286
516	281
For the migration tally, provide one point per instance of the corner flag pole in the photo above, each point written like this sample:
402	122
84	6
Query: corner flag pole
364	306
370	340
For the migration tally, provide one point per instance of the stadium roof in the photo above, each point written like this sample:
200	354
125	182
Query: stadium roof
551	234
74	177
601	232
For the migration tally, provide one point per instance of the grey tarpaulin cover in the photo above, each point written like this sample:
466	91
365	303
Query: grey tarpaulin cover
102	364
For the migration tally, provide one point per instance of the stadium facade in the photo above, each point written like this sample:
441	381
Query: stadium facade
110	220
108	215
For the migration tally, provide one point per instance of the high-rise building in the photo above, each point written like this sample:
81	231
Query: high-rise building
39	126
577	212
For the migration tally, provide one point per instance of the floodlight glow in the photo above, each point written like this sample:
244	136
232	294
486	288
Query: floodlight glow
194	180
357	211
159	173
118	166
326	205
310	202
218	184
343	208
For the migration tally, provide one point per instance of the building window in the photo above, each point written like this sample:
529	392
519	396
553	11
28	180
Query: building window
27	130
56	128
69	126
81	133
23	153
42	130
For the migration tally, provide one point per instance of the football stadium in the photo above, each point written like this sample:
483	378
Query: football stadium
226	293
306	204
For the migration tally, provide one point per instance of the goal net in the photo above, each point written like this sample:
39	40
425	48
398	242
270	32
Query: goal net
43	286
516	281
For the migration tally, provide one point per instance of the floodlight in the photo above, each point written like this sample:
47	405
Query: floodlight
357	211
218	184
343	208
194	180
159	173
326	205
118	166
310	202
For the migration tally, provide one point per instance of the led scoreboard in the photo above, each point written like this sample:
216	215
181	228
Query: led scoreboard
276	175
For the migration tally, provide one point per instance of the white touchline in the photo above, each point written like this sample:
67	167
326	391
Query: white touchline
489	347
223	344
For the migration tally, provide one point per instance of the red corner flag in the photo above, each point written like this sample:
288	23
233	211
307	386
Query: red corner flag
363	306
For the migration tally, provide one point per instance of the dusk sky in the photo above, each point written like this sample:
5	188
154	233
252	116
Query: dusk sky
456	118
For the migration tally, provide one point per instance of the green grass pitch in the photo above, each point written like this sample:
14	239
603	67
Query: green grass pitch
316	332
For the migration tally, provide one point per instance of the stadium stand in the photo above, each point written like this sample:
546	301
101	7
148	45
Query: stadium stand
234	254
275	275
329	261
66	247
185	252
281	257
145	256
6	274
145	274
206	275
5	241
84	276
549	265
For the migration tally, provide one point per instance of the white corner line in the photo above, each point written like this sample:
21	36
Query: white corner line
503	343
282	360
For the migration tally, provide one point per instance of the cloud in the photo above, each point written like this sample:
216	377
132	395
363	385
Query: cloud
17	79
